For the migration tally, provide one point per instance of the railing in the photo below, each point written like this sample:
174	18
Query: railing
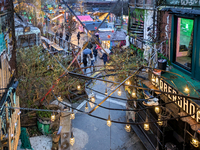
142	3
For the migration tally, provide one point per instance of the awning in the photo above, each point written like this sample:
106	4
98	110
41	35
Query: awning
85	18
182	11
194	125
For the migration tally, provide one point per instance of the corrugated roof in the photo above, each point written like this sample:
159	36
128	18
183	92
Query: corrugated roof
114	36
93	25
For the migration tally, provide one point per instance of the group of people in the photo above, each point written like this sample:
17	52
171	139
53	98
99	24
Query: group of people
92	57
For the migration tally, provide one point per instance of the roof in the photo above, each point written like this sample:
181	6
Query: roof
114	36
92	25
85	18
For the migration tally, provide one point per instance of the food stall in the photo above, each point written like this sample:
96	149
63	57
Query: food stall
110	39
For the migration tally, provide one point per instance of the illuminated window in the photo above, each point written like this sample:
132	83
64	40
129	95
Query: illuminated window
184	42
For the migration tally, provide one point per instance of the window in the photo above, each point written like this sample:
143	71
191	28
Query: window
184	42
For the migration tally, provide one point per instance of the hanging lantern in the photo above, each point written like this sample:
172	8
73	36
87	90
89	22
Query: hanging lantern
109	123
113	31
72	116
133	93
146	125
153	80
95	28
93	99
106	92
60	99
187	89
195	141
157	109
128	82
128	127
109	36
119	92
86	107
72	139
53	117
78	87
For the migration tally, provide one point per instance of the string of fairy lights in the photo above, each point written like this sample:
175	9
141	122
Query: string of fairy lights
127	126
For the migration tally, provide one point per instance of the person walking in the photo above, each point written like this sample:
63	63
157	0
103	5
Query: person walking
85	61
67	37
95	52
104	58
92	59
78	37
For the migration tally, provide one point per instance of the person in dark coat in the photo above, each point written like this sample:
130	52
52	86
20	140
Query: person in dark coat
95	52
104	58
67	37
78	37
85	61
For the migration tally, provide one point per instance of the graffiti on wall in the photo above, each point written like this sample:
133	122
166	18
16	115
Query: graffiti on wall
183	2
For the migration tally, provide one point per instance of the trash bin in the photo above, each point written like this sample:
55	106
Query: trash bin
162	64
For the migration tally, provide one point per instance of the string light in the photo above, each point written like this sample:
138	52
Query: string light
86	107
106	91
119	92
160	123
128	82
134	93
187	89
53	117
109	123
72	115
146	125
93	99
195	141
72	139
59	98
78	87
128	127
157	109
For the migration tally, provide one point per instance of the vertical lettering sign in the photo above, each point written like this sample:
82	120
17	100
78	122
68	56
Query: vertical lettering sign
184	103
190	3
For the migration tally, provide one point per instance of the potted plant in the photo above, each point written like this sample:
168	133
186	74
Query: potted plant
163	61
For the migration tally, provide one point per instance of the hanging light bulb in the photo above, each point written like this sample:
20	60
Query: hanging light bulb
93	99
78	87
53	117
160	123
195	141
72	139
134	93
86	107
60	99
128	82
128	127
106	92
109	121
157	109
187	89
72	116
119	92
146	125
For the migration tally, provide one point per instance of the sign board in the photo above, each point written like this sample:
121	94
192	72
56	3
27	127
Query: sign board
187	3
186	104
